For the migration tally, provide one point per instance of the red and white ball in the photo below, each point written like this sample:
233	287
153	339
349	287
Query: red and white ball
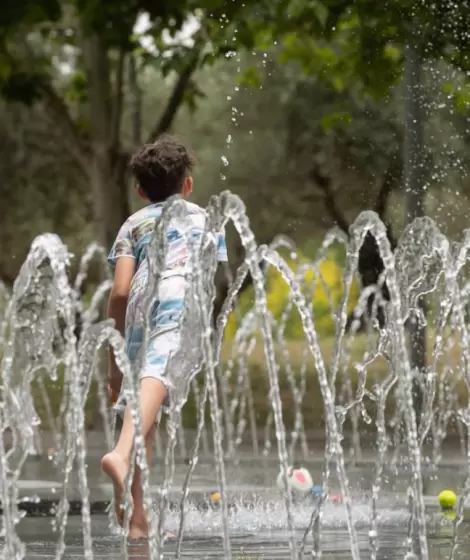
298	481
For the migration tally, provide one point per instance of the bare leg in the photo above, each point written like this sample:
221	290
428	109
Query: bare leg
139	522
139	528
116	464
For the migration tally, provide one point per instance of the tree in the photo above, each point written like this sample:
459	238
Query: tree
359	45
42	188
79	60
346	147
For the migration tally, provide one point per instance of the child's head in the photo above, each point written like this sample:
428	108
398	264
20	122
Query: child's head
163	169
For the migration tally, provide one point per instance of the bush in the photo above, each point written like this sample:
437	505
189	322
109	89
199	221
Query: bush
325	290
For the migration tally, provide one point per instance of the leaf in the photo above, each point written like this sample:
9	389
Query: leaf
27	12
78	88
335	120
20	86
192	95
338	83
82	124
393	53
252	77
460	94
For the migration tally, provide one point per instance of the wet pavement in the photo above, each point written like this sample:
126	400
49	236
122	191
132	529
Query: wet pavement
257	517
249	475
247	542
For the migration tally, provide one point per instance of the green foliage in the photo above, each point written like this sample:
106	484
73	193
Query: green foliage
27	12
341	41
325	289
351	42
335	133
41	185
460	94
20	86
77	90
252	77
330	114
114	21
334	120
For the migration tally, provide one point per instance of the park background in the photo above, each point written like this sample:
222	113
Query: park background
310	111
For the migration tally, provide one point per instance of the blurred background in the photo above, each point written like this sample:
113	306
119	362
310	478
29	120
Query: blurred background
298	106
311	111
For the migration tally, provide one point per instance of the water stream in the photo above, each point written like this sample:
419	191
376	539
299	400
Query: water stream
362	392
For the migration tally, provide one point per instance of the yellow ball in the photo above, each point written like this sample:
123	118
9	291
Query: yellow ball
214	498
447	499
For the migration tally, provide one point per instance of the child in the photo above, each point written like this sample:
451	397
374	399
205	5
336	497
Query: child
162	170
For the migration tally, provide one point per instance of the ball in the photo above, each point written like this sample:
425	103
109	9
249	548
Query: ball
447	499
214	498
298	481
317	491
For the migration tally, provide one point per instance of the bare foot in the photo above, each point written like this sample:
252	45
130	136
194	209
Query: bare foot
116	467
138	526
140	531
137	532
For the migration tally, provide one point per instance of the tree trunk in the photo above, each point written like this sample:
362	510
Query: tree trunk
106	170
136	103
110	196
106	174
415	164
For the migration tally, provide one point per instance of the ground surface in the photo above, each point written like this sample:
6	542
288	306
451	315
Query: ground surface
257	522
246	542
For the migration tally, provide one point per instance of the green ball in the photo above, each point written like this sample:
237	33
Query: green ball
447	499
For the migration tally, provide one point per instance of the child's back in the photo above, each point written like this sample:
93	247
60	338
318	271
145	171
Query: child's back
136	233
163	361
132	241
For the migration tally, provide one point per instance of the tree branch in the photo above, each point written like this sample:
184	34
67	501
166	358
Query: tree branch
118	101
59	110
324	184
177	96
389	182
136	94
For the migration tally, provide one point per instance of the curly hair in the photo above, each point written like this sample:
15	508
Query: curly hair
161	168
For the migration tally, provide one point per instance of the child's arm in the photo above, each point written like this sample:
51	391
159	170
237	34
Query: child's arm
117	305
122	261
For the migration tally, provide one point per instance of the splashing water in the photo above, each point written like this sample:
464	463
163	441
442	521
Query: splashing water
365	384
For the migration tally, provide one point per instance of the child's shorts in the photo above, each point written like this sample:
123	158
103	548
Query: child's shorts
172	352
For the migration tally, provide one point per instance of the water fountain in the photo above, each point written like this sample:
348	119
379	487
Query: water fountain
368	412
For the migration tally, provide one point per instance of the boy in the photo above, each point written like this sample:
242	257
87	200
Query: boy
162	170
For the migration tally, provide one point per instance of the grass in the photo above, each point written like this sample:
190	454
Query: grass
312	409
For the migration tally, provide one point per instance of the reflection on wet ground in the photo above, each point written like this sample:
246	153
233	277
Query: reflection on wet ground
250	476
257	515
250	540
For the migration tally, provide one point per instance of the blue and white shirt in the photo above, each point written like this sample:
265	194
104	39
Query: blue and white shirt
132	242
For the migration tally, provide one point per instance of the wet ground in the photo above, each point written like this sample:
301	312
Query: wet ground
247	542
257	517
248	474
